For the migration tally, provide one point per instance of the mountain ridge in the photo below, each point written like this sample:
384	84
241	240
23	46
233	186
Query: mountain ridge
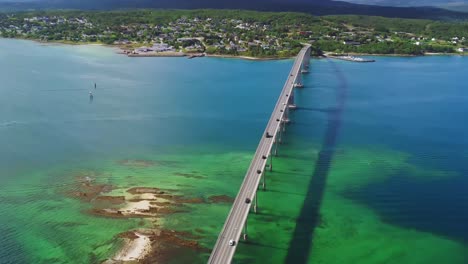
315	7
407	3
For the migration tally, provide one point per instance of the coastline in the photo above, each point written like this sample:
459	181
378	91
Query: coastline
154	54
121	50
246	57
136	247
405	55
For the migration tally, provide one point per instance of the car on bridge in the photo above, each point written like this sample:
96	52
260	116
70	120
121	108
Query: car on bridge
232	242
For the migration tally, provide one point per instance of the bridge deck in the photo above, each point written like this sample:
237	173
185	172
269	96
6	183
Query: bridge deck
223	252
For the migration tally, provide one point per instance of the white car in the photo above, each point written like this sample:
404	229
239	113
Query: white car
232	242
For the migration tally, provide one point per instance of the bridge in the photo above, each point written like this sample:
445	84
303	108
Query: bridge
236	222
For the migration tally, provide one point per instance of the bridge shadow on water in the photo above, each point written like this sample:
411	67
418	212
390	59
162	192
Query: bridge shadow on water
316	109
309	216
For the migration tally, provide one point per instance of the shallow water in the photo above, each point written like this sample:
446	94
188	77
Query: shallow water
376	151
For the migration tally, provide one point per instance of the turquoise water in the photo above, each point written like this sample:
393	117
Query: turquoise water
377	152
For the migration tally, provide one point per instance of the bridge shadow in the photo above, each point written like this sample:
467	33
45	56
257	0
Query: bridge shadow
309	217
316	109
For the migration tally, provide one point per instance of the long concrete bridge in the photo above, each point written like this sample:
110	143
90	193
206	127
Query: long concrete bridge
246	200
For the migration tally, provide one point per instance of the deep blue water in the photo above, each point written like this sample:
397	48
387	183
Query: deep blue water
439	207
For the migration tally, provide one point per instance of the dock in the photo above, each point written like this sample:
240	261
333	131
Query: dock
350	58
196	56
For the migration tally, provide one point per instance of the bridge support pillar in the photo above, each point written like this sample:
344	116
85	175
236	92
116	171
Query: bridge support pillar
280	132
264	183
271	163
276	149
256	203
299	83
245	231
291	98
286	118
306	62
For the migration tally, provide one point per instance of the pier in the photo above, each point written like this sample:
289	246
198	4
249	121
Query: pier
246	200
350	58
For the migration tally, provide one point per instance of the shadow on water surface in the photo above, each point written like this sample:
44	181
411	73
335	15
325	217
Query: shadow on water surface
316	109
309	218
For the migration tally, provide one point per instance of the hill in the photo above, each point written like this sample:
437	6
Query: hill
315	7
406	3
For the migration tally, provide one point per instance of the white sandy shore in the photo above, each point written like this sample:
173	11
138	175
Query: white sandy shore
134	207
134	250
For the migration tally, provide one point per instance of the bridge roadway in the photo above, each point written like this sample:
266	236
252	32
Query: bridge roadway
223	252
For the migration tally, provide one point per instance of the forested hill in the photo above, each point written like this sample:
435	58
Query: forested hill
237	32
315	7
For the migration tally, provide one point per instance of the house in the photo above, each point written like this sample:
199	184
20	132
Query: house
161	47
185	39
462	49
143	50
351	42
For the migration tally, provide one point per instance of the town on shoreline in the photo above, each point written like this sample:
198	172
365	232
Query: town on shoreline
235	33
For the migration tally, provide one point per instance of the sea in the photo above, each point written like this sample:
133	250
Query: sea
372	169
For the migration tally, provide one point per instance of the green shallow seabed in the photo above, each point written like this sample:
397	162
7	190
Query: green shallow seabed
346	232
54	228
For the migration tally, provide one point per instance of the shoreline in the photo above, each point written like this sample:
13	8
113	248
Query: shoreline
119	49
247	57
403	55
153	54
136	247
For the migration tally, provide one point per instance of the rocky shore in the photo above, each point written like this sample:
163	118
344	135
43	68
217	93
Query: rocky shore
146	245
